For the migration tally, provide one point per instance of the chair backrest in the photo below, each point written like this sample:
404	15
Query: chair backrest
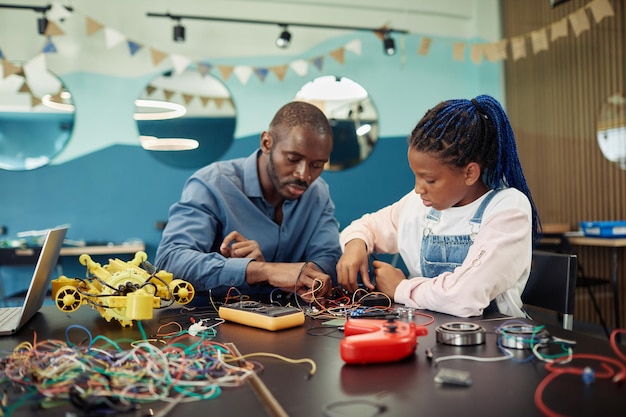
552	284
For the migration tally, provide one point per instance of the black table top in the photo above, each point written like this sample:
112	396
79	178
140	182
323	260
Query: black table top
404	388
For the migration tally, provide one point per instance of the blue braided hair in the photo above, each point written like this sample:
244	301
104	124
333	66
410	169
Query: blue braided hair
462	131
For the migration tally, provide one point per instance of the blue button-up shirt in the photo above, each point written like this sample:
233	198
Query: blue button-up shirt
226	196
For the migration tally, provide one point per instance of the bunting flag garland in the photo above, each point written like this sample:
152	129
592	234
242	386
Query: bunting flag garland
476	53
133	47
49	47
424	48
514	48
53	29
458	51
339	55
601	9
539	41
558	30
318	62
157	56
93	26
579	22
518	47
261	73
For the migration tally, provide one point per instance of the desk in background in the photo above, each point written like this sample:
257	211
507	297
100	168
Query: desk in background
405	388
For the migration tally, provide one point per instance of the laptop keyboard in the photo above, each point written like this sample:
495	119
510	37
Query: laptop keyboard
8	313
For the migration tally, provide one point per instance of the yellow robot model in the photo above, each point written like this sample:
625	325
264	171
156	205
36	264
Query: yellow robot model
124	291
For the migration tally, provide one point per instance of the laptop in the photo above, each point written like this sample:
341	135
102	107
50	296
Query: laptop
13	319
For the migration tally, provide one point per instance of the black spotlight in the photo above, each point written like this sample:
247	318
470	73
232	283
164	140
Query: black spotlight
389	46
284	39
179	33
42	25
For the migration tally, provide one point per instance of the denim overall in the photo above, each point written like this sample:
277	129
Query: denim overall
441	253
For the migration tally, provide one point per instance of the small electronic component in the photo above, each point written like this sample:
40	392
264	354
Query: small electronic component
263	316
454	377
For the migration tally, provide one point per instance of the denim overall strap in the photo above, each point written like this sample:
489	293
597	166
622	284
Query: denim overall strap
477	218
443	253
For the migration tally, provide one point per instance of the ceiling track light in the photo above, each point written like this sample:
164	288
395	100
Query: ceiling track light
179	32
389	45
284	39
42	24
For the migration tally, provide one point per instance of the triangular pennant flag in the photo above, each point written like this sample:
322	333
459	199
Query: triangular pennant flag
280	71
424	48
34	101
36	66
318	62
10	69
113	37
243	73
53	29
1	54
219	102
187	98
579	21
204	100
354	46
558	30
157	56
226	71
476	53
49	47
380	33
261	73
495	51
58	12
458	51
92	26
150	89
601	9
168	94
518	47
24	88
338	54
133	47
204	69
300	67
180	63
539	41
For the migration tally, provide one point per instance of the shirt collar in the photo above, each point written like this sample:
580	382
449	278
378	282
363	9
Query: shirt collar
252	184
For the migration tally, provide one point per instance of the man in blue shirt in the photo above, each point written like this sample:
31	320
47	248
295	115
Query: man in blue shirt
261	222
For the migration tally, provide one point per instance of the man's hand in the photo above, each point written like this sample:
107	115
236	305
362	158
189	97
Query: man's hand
353	261
306	280
235	245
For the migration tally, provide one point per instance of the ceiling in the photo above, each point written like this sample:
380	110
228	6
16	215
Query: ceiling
216	40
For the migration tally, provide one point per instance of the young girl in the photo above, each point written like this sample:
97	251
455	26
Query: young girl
466	231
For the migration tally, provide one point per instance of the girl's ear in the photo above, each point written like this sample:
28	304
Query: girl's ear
266	142
472	173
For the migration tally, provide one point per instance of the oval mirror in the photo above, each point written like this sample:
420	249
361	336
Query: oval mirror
612	130
186	120
36	116
352	115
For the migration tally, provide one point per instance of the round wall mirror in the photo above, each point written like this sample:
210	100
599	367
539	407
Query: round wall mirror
352	116
185	120
36	116
611	130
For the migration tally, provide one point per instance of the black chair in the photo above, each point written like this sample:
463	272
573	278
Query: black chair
552	284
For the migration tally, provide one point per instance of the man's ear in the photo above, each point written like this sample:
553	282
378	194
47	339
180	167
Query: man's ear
266	142
472	173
